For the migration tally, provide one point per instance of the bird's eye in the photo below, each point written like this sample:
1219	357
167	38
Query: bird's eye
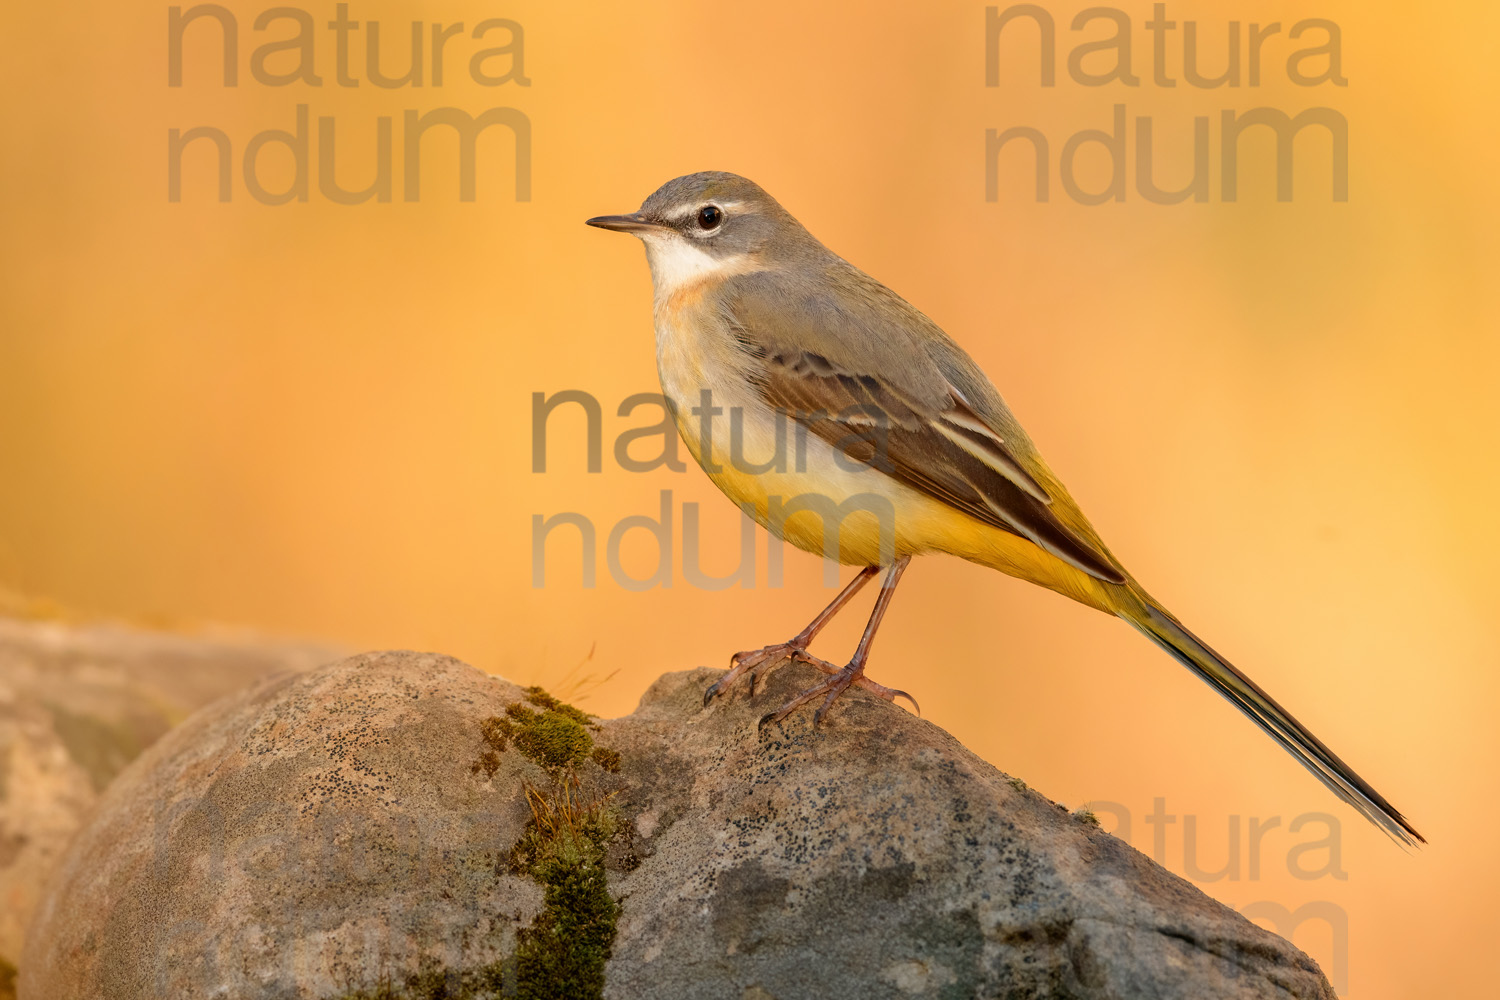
709	217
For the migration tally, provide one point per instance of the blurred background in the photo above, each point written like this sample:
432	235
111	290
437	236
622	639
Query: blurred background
315	419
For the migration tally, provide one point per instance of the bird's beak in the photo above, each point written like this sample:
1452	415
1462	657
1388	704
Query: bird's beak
632	223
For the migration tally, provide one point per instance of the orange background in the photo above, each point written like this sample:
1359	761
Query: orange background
314	419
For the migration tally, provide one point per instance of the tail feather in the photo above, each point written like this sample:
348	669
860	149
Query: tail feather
1162	629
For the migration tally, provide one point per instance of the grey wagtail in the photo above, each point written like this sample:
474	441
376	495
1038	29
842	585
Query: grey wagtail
897	431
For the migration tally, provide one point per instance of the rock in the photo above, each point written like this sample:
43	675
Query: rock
78	703
311	836
400	825
880	859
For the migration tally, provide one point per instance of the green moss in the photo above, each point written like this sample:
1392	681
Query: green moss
563	952
607	759
556	737
541	699
554	740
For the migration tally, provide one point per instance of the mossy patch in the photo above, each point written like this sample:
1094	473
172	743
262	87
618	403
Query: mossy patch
553	740
543	700
557	736
563	952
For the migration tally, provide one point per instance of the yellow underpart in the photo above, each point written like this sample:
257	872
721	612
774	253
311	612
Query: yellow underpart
921	523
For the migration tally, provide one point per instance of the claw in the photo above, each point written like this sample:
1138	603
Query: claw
902	694
888	693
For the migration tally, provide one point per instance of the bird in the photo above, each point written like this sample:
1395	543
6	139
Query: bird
845	421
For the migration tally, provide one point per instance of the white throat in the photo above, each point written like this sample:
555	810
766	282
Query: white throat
677	263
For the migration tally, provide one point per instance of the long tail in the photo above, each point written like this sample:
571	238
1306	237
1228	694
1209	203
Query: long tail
1164	630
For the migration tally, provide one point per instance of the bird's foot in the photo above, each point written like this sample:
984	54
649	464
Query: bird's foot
759	664
839	681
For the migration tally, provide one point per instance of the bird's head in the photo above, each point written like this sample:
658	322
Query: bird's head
710	224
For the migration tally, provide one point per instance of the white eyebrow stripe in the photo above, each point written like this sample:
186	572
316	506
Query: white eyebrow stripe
691	211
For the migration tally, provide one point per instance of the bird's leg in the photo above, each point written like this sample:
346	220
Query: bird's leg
854	673
759	663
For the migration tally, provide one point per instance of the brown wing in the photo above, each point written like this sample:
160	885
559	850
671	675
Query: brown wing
948	452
